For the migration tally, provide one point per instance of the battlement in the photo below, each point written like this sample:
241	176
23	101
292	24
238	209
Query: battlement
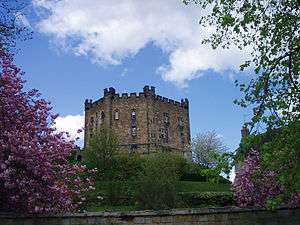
148	92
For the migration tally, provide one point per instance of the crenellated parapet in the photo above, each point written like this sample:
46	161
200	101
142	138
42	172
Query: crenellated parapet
148	92
88	104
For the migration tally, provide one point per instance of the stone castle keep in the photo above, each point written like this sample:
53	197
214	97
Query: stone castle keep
143	123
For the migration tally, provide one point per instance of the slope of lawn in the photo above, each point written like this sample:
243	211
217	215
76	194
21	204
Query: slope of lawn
120	194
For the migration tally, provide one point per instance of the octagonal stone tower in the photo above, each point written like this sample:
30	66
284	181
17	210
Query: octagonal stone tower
143	122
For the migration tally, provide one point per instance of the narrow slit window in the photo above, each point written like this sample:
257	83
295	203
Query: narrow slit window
116	115
133	115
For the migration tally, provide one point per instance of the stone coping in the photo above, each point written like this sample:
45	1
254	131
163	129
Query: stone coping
170	212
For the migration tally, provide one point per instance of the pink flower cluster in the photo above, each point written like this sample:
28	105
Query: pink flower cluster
253	185
35	175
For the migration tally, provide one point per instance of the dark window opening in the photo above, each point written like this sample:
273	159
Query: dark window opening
182	138
164	135
92	123
133	115
153	135
133	146
102	117
134	131
166	118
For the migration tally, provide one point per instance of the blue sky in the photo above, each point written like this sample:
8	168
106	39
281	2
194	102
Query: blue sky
68	63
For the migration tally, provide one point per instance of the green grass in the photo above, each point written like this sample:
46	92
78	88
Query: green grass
102	187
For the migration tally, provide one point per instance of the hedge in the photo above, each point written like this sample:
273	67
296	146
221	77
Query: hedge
193	199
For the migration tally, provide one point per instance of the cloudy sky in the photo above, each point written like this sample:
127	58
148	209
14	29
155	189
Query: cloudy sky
80	47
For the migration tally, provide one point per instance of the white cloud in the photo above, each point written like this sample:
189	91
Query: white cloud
110	31
70	124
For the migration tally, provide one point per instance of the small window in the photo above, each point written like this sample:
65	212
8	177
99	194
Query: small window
166	118
182	138
180	121
97	119
92	123
133	115
133	131
164	135
133	146
152	135
116	115
102	117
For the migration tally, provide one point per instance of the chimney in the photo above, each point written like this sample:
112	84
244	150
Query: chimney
245	131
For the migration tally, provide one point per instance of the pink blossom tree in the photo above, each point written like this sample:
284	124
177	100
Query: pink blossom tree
253	185
35	175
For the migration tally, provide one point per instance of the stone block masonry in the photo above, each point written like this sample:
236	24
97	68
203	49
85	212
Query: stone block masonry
143	122
213	216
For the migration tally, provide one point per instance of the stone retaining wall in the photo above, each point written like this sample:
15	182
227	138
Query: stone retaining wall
216	216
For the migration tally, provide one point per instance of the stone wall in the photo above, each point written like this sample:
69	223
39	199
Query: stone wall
216	216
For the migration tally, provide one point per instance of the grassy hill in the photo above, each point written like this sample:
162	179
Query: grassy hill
119	196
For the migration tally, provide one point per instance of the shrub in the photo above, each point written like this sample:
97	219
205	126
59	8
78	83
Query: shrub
192	199
127	166
156	188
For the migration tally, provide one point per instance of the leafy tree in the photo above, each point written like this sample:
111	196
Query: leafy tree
101	151
281	155
206	147
271	30
35	175
12	26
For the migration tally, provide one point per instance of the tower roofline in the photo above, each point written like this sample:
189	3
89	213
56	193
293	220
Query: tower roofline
148	91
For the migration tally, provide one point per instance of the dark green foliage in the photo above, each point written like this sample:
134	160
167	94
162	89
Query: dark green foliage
207	199
194	172
188	186
119	193
126	166
156	187
270	30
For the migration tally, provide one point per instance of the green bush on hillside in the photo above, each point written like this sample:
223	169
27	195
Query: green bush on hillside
156	187
212	199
